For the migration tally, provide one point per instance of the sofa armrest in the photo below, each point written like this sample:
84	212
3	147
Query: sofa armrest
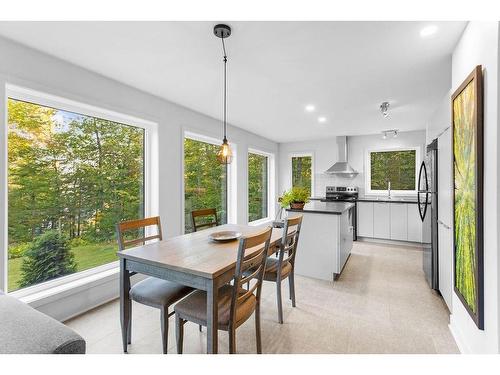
26	330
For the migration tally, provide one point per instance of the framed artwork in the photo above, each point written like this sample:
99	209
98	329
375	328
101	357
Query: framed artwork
467	135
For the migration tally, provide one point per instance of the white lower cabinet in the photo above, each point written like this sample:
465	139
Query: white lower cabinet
382	220
399	222
365	219
389	221
414	224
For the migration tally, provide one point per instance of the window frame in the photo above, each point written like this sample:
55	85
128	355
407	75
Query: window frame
151	176
290	166
271	207
368	152
231	176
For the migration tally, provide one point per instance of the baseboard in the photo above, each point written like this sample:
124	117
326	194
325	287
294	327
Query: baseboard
457	336
416	245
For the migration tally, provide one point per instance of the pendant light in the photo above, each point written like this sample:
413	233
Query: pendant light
225	155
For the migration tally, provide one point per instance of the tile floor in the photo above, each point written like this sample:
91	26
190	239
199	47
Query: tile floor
380	304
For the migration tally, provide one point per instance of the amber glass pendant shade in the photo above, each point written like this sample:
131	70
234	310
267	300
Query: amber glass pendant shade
225	155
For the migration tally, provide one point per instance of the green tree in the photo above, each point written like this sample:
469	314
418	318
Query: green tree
302	172
398	167
48	257
72	173
204	180
257	187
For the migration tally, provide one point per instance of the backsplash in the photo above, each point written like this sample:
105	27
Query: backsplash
322	180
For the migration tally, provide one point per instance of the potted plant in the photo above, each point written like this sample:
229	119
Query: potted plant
295	198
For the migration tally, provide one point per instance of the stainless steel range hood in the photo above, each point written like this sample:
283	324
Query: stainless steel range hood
342	167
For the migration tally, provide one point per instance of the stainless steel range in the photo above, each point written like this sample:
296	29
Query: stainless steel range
345	194
341	193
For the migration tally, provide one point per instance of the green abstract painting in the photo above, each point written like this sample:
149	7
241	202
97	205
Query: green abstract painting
467	157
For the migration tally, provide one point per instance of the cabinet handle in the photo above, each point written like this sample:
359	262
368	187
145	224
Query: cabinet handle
443	224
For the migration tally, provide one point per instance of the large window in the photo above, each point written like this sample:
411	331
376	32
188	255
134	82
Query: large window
302	172
71	178
395	166
205	180
258	186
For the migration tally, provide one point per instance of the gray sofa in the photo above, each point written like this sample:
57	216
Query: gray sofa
26	330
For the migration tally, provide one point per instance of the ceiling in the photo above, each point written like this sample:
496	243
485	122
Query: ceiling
275	69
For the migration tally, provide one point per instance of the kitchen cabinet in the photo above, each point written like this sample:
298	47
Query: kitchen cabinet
389	221
414	224
325	240
382	220
365	219
399	221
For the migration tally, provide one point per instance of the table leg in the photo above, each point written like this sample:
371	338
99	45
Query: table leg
212	317
124	302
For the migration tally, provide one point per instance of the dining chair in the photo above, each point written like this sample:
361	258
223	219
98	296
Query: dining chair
235	303
208	213
154	292
283	266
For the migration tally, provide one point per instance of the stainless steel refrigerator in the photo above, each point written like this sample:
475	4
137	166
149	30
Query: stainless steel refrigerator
428	209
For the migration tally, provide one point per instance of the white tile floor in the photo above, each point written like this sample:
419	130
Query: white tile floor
380	304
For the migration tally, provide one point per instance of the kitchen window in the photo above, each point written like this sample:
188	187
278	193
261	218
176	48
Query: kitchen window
205	179
302	171
74	171
395	166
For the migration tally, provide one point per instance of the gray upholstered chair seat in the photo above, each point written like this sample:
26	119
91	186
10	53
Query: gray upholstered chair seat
271	273
24	330
158	293
194	307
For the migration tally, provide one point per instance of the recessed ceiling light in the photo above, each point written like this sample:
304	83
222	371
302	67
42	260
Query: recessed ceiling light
428	31
321	119
310	108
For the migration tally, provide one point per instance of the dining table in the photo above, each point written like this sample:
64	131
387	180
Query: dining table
194	260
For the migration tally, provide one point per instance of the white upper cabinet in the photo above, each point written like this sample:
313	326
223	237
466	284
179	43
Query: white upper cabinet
399	221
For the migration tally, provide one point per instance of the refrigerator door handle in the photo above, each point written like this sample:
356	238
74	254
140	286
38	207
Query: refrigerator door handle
422	211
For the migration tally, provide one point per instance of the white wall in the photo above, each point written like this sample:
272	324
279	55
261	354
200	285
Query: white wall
26	67
325	153
479	44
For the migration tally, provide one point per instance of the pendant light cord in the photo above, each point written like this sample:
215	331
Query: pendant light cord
225	85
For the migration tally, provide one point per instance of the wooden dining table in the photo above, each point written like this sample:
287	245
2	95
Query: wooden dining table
191	259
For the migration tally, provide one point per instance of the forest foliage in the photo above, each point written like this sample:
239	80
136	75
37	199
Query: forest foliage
257	186
398	167
302	172
205	179
75	174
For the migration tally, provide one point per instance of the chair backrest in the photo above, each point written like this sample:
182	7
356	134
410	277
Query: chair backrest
250	267
289	240
126	226
206	213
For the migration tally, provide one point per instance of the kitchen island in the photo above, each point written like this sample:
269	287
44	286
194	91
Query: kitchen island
325	241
